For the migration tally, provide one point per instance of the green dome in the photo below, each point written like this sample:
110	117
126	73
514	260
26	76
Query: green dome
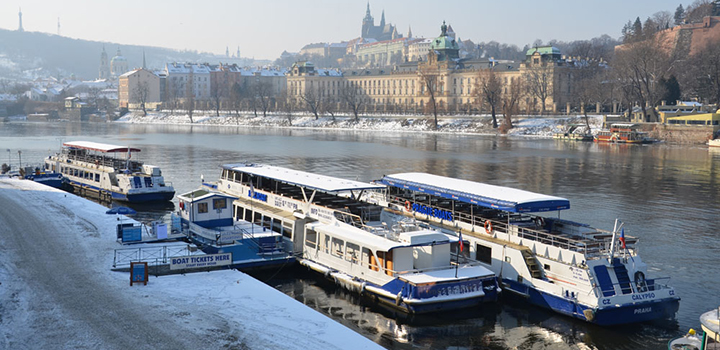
444	42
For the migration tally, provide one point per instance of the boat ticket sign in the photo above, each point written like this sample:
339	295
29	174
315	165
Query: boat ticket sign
200	261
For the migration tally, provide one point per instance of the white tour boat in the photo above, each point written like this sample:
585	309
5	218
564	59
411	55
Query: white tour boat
572	268
708	340
108	173
325	223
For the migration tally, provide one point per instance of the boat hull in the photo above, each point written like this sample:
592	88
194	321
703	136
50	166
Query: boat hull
104	194
604	316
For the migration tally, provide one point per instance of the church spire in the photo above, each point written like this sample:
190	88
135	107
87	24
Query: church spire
144	66
20	27
368	16
382	19
409	32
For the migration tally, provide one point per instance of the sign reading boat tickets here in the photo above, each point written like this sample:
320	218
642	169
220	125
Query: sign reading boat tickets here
200	261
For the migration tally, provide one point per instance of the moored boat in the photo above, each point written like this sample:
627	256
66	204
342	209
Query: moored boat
107	172
206	219
324	222
623	133
44	176
574	269
708	340
714	143
572	135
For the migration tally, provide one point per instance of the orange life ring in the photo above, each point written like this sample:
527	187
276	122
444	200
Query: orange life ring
407	206
488	227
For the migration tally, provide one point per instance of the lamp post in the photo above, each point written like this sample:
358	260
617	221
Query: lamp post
20	158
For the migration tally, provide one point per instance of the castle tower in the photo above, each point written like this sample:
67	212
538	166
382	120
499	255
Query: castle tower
382	19
104	72
409	32
20	28
144	66
368	23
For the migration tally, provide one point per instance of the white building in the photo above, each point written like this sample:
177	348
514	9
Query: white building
183	78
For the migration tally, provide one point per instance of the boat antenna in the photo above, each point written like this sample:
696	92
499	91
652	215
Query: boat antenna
612	243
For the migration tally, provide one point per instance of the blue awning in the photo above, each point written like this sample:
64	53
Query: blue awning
490	196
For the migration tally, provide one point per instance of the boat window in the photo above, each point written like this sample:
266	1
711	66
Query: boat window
337	247
257	218
287	229
483	254
311	238
352	252
220	203
239	213
326	244
267	222
546	267
369	258
202	208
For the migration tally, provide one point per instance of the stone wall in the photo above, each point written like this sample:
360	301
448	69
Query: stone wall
685	134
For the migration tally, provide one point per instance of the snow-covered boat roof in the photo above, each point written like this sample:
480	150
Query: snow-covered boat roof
370	240
303	179
201	194
100	147
491	196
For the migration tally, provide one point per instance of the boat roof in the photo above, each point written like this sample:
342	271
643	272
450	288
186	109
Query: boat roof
370	240
711	321
303	179
201	194
490	196
100	147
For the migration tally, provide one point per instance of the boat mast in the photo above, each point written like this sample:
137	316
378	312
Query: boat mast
612	243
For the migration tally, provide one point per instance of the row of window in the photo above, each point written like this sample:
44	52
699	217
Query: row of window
218	203
80	173
350	252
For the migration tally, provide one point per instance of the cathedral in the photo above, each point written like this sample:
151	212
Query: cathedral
381	32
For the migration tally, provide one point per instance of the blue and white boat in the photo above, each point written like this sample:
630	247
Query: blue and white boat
574	269
107	172
324	222
206	219
46	177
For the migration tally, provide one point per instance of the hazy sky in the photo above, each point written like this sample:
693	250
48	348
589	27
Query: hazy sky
264	28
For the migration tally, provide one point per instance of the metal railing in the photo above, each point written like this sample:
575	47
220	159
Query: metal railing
152	255
649	285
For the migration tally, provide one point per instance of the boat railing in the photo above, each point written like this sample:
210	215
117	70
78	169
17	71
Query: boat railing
152	255
634	287
226	237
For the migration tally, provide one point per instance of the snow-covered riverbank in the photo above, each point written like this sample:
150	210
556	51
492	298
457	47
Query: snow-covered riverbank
536	126
57	290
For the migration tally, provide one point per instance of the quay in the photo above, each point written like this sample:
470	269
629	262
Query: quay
58	290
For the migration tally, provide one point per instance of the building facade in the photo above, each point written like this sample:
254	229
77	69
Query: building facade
138	86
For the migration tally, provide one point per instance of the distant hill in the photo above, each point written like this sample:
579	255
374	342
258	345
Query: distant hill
25	54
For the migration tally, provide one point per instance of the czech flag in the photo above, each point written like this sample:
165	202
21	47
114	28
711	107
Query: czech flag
460	240
622	237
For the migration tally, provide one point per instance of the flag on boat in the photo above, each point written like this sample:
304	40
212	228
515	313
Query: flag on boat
622	237
460	241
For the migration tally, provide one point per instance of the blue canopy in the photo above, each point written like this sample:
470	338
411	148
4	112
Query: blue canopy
490	196
121	211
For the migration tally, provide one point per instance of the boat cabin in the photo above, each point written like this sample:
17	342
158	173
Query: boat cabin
206	209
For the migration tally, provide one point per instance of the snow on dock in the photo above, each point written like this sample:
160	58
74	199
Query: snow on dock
57	290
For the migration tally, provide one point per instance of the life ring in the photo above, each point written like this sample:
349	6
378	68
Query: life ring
488	227
540	221
640	282
408	207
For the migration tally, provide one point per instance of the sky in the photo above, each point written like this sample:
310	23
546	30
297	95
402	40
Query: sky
263	29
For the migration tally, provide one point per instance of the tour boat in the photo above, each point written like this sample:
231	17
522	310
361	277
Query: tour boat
332	231
623	133
714	143
710	338
577	270
206	219
108	173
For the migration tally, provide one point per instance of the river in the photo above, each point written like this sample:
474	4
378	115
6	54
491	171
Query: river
667	195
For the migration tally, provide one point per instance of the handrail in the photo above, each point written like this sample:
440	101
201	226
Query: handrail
153	255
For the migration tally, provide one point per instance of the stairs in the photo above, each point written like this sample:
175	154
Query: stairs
622	277
532	263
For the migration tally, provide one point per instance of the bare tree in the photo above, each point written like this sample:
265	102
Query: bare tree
236	99
140	94
190	95
173	92
639	67
313	100
351	94
429	81
588	87
539	80
702	74
511	100
262	94
489	88
218	93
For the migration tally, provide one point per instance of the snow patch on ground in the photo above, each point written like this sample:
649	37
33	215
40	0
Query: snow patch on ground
223	308
538	126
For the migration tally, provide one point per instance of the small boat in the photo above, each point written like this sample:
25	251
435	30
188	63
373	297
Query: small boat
206	219
107	172
572	135
710	339
44	176
623	133
714	143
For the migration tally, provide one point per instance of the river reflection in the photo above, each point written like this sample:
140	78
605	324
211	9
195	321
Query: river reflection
667	196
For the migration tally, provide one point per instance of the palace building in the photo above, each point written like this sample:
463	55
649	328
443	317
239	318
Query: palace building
403	86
